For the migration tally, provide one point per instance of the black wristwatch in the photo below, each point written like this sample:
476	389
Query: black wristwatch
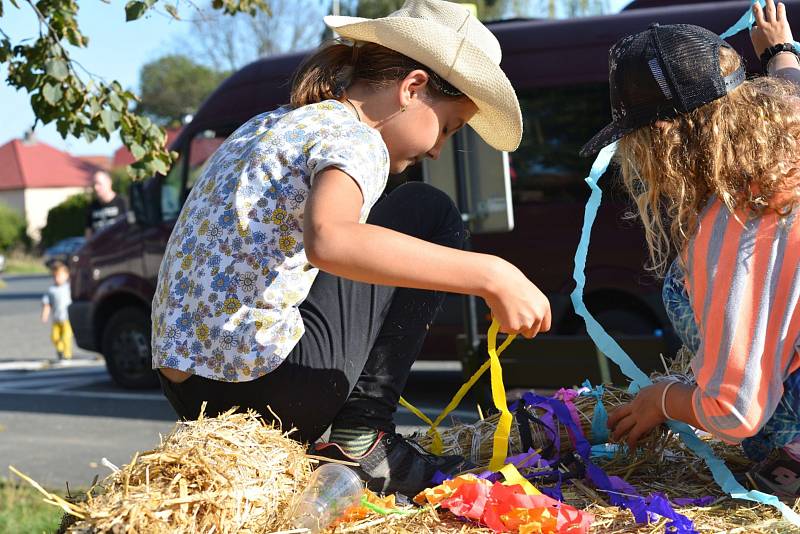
772	51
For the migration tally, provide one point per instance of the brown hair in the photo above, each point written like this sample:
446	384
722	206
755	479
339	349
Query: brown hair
742	147
58	265
335	66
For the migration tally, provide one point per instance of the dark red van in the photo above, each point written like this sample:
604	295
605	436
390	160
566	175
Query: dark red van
559	69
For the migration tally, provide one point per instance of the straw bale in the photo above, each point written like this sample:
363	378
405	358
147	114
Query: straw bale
474	440
231	473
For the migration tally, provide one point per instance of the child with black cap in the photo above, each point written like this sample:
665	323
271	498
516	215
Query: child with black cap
711	160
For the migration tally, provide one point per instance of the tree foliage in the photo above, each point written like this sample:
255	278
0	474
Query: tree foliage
88	108
12	228
229	43
67	219
174	86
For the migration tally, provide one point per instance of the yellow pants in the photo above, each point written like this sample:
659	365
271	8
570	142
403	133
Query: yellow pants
61	335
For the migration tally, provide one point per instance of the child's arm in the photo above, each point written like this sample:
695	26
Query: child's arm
337	243
45	312
772	28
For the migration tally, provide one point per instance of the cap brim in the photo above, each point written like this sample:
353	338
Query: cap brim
498	120
612	132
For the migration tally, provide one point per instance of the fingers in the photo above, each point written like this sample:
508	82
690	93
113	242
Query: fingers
769	11
759	15
781	12
623	427
547	320
615	416
635	435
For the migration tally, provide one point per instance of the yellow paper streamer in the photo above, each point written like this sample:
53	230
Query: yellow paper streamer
500	448
497	382
513	476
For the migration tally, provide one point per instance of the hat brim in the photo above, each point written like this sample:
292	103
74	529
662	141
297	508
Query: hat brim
465	66
612	132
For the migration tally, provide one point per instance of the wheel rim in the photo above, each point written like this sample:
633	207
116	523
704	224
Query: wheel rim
131	352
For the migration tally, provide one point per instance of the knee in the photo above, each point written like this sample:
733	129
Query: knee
429	202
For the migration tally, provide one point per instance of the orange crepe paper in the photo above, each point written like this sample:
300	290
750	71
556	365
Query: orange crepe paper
357	512
506	508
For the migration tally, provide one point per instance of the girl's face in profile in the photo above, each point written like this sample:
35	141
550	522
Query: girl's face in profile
421	130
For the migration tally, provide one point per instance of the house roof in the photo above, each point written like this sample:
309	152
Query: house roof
33	164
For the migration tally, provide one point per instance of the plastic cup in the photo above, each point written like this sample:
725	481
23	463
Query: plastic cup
332	489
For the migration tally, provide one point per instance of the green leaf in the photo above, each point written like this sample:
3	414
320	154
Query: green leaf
109	118
116	102
134	10
57	68
63	127
173	11
138	151
158	166
52	94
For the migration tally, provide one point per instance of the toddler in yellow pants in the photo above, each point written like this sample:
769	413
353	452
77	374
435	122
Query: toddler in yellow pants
57	300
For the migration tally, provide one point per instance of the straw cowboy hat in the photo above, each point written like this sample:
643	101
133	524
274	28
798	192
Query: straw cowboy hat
445	37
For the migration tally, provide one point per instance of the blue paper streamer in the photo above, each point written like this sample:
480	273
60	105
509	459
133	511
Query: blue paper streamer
600	414
722	475
746	22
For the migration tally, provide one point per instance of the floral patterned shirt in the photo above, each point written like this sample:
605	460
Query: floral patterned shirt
235	270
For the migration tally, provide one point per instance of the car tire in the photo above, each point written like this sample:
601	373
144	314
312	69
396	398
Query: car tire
126	348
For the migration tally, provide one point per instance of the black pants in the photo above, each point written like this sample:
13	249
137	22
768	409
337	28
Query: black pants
352	363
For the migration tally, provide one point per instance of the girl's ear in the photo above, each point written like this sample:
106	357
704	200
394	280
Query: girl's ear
412	85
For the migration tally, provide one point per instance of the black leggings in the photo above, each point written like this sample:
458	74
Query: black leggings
352	363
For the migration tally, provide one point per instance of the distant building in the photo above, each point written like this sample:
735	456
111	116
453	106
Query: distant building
35	177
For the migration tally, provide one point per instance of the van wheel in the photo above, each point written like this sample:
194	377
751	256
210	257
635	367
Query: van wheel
126	347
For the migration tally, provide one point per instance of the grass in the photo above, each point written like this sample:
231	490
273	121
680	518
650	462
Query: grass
21	263
22	510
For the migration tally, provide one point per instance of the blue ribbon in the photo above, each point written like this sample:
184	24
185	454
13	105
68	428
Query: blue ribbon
746	22
606	344
600	414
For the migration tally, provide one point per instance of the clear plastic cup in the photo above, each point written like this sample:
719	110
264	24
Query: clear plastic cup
332	489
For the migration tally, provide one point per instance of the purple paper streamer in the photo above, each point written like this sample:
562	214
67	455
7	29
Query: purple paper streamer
700	501
620	493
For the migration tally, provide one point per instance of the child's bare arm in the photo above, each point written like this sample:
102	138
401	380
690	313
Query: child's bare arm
772	28
45	312
337	243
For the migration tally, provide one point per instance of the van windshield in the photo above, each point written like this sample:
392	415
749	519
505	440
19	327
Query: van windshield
557	122
201	149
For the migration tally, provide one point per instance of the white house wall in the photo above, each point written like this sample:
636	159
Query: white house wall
38	201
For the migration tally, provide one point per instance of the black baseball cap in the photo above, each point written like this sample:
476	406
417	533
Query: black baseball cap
660	73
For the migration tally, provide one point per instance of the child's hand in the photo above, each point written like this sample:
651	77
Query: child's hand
516	303
638	417
772	26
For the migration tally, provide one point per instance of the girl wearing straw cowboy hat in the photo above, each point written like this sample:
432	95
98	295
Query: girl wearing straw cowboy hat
291	285
711	160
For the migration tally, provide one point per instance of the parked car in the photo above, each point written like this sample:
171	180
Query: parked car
63	250
559	68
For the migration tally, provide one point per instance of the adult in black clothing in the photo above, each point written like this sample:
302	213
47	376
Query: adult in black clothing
106	208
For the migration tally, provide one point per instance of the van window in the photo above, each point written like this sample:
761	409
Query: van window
171	192
557	123
203	147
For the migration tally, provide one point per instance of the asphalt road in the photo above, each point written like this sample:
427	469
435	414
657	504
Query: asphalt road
58	420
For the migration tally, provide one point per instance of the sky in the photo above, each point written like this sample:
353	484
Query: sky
117	50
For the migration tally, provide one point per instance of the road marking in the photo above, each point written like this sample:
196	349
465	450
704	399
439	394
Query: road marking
36	365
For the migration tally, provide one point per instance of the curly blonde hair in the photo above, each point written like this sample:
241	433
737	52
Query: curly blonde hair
742	147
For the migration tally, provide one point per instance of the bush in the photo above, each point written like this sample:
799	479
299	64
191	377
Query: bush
68	219
12	228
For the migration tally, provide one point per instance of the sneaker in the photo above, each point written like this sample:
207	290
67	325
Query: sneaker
778	474
395	465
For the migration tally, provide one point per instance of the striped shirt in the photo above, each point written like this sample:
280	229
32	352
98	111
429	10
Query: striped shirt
743	279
